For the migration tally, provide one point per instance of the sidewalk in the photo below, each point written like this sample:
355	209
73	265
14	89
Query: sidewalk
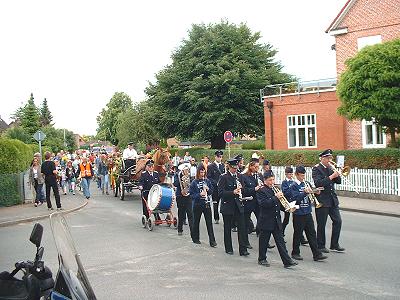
368	206
28	212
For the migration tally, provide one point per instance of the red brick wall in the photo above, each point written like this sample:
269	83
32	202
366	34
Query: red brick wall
330	126
367	18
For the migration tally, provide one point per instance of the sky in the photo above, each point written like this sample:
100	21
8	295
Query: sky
77	54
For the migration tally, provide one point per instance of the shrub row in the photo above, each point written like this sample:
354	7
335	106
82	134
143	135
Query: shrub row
362	159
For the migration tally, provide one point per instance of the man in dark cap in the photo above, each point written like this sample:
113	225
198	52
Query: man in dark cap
270	222
265	166
240	160
148	178
214	171
301	192
230	190
324	177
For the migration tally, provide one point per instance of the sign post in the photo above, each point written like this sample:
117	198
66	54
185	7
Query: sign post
39	136
228	137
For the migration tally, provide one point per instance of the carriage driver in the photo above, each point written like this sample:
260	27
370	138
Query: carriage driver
129	156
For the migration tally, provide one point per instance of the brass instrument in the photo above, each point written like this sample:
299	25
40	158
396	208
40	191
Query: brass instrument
184	182
239	186
208	198
312	196
345	171
283	200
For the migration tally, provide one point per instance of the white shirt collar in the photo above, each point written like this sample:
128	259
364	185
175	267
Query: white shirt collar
297	181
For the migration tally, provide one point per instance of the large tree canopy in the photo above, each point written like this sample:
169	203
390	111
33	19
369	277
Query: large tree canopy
108	117
213	84
370	87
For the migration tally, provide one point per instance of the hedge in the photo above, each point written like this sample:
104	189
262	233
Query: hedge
15	158
362	159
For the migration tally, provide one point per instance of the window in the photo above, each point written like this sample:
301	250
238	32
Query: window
373	135
302	131
368	41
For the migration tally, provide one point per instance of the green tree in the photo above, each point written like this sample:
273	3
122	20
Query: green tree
30	117
18	133
55	139
213	84
45	115
108	117
370	87
135	125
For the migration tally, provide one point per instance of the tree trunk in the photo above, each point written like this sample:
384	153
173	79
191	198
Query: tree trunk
218	142
392	131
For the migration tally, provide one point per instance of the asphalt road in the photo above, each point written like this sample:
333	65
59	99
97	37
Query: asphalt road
125	261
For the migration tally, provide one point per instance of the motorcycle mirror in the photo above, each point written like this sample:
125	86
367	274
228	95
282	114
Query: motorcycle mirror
36	235
40	253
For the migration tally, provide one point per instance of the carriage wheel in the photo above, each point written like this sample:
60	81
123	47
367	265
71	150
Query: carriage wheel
150	224
175	221
122	191
144	221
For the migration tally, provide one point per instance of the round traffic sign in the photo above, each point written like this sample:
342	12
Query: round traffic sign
228	136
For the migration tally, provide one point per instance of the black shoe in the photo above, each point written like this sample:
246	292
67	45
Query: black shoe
320	257
245	253
291	264
229	252
180	232
337	249
213	244
50	208
304	242
297	257
270	246
324	250
197	242
216	222
248	246
264	263
234	229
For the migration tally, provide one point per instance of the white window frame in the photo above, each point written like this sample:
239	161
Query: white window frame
306	126
364	125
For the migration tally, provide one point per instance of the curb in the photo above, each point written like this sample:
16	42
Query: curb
30	219
370	212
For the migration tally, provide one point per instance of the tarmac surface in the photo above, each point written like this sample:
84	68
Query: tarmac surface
28	212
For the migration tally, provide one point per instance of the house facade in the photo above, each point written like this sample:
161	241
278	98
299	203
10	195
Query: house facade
303	115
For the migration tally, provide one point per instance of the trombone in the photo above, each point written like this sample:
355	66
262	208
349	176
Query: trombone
345	171
312	196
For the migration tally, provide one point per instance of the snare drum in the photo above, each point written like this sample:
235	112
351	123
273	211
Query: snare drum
161	197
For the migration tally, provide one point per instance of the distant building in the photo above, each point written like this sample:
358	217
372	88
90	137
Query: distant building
3	125
303	115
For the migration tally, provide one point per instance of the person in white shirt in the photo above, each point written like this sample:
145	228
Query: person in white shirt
130	152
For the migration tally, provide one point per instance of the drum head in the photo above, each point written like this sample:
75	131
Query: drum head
154	196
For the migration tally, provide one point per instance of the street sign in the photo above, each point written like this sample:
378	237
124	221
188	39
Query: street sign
228	136
39	136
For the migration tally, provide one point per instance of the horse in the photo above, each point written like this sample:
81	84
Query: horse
161	158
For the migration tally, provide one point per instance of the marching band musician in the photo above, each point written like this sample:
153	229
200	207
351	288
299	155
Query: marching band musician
183	200
302	217
230	190
214	171
285	187
270	222
265	166
325	177
200	191
148	178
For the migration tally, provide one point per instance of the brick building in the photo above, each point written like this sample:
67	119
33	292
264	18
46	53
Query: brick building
294	113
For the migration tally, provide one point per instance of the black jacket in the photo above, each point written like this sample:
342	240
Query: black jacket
229	201
249	190
146	181
328	196
270	213
214	172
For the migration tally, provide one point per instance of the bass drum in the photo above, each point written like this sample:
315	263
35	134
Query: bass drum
161	197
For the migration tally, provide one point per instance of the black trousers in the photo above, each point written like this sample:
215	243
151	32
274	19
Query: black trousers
306	223
280	244
285	221
215	199
322	216
184	208
52	184
228	220
248	226
206	211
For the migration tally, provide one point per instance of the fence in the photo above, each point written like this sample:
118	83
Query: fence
364	180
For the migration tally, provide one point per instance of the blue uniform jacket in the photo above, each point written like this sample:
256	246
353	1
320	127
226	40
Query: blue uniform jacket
301	198
214	172
229	201
196	186
328	196
270	214
146	181
249	190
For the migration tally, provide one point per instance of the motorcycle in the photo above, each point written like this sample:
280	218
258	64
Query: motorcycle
37	281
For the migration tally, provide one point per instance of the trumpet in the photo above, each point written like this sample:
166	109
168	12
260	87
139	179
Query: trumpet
345	171
283	200
312	196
